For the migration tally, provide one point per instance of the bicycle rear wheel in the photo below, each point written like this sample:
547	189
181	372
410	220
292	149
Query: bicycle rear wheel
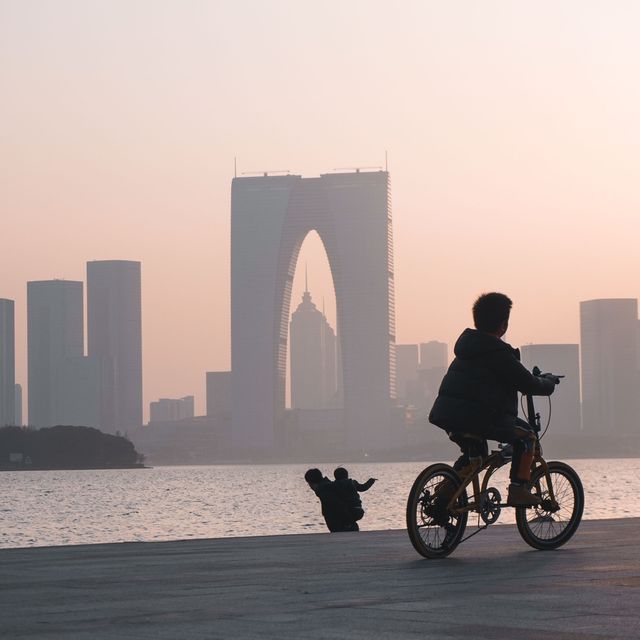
552	523
434	530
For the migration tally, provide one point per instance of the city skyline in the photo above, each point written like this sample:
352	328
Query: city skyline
601	381
514	124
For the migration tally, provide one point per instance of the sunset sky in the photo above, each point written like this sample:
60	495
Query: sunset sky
512	130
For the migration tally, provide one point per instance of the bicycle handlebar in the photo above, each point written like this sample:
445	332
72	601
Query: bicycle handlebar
536	372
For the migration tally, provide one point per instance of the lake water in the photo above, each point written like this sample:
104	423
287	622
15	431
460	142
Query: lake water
43	508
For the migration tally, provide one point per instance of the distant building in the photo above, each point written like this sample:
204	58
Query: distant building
18	406
433	355
270	218
313	358
608	342
218	394
115	340
407	364
433	366
171	409
7	362
563	359
195	440
63	384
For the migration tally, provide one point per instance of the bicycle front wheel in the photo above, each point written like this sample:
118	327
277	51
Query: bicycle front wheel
434	530
553	522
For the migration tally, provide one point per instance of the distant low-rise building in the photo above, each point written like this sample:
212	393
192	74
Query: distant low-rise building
171	409
433	355
407	363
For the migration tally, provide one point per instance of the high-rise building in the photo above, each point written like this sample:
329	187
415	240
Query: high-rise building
62	382
171	409
563	359
115	340
18	406
218	394
407	362
270	218
608	344
7	362
313	358
433	355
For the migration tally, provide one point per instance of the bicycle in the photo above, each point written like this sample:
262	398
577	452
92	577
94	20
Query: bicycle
438	506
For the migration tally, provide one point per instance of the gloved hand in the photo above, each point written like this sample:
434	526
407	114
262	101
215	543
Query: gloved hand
551	377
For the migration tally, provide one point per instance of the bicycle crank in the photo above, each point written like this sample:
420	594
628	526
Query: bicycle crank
489	505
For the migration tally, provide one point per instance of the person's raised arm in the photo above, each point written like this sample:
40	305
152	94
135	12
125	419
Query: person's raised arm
514	373
367	485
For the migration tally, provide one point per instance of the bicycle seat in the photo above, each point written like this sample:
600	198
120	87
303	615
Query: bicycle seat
466	436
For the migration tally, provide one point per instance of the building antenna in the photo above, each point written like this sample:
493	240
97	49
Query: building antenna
235	166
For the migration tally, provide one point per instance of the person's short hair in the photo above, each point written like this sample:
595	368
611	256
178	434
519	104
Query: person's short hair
490	310
340	473
313	476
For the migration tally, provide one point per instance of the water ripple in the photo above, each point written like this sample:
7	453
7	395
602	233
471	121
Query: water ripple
171	503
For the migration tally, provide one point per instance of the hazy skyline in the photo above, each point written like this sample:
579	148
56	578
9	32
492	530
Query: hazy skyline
511	129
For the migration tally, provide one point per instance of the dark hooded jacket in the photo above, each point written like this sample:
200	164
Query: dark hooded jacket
480	389
334	509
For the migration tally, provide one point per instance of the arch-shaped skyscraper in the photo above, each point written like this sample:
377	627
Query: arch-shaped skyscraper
270	218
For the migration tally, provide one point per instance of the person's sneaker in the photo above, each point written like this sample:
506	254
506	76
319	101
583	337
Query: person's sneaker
520	496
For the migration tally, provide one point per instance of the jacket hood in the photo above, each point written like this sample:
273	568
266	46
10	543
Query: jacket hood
473	343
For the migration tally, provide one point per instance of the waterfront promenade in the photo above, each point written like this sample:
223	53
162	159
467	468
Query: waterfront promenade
367	585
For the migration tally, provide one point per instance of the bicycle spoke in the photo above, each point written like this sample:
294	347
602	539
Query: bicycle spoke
549	525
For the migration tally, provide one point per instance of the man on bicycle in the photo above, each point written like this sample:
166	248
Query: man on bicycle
478	397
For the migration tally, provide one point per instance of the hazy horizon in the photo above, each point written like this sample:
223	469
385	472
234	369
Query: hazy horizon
511	130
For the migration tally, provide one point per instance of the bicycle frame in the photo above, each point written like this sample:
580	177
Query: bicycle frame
495	461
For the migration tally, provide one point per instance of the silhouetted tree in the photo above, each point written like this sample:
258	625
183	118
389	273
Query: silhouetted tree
68	447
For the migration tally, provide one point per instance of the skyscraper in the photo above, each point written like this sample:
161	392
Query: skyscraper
608	343
313	358
218	394
270	218
18	406
563	359
115	340
7	362
62	382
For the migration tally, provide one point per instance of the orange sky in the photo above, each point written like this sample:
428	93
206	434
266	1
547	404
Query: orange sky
511	127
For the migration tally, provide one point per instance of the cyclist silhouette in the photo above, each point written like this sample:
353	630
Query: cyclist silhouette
478	396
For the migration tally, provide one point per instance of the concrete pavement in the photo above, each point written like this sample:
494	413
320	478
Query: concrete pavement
367	585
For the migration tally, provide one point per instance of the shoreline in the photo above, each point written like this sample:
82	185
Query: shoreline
136	466
187	540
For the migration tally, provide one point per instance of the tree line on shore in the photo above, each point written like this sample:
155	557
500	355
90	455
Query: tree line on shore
65	447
